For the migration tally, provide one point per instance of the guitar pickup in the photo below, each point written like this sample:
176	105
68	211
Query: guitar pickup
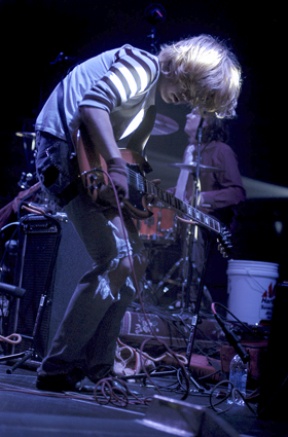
93	179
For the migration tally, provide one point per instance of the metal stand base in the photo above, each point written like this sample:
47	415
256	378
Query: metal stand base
31	352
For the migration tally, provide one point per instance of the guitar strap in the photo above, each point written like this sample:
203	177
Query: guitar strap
72	189
60	98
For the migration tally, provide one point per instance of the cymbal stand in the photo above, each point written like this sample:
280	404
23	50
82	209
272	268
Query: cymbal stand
186	264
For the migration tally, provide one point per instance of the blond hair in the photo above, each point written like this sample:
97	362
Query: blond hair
207	71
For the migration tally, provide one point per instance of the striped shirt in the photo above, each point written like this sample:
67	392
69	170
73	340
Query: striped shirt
121	81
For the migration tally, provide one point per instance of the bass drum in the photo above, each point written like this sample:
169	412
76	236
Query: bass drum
162	280
164	262
160	228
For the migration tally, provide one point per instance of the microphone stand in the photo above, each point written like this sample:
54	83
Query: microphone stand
190	273
188	255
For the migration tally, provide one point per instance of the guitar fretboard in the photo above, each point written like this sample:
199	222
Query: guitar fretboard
185	209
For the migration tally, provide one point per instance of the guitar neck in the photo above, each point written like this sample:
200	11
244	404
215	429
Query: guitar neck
184	208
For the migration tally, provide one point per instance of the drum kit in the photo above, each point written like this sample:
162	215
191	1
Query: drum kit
162	234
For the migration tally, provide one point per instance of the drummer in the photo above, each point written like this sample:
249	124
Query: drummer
211	181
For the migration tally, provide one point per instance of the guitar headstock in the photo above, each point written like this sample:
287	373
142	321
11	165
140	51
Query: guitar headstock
224	242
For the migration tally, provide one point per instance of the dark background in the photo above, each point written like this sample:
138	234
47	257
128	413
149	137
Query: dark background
35	32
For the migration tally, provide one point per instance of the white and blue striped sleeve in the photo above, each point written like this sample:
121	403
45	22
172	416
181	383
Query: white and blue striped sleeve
133	73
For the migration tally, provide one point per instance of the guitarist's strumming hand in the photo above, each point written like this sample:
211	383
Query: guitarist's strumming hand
117	175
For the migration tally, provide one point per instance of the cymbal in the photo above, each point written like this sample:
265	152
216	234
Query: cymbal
164	125
193	165
26	134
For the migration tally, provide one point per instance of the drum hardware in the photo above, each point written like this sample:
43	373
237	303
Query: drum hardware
29	146
187	278
26	180
159	228
31	135
164	125
193	165
167	278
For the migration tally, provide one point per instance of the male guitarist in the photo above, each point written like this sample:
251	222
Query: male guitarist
104	104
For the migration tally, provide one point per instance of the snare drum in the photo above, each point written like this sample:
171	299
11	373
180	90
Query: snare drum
160	227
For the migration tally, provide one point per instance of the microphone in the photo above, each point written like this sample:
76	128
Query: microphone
233	339
12	289
199	130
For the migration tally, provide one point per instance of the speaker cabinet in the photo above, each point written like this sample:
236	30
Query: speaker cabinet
52	259
39	239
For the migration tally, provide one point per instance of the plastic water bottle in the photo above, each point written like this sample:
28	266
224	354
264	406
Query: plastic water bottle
238	378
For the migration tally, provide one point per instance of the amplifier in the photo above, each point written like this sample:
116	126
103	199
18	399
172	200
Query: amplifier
39	239
52	259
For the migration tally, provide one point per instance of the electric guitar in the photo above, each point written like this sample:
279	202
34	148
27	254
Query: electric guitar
93	175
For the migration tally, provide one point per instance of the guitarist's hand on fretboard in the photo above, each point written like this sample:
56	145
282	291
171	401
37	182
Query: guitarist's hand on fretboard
152	198
117	173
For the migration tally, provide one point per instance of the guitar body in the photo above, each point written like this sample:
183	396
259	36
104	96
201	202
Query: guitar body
93	172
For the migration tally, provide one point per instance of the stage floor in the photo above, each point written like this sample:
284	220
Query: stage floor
163	404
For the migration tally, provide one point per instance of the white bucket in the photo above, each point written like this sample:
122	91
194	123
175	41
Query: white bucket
251	290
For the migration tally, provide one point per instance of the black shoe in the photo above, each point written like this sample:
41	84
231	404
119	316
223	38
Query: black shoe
60	382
